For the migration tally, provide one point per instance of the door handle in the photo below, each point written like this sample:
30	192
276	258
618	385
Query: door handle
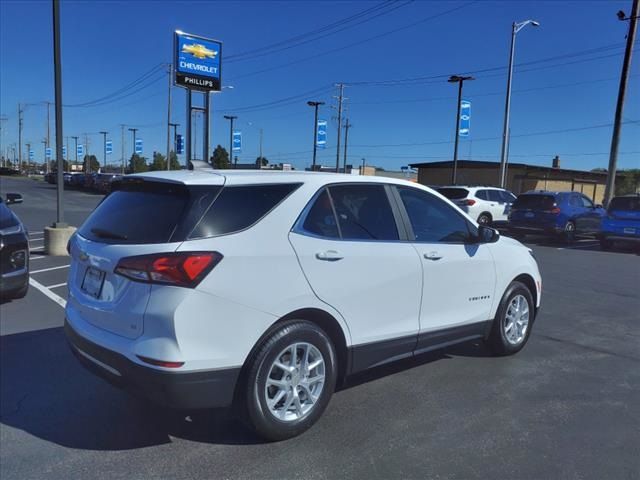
432	256
329	256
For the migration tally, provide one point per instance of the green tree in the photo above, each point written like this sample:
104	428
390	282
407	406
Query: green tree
138	164
53	165
262	161
91	163
159	162
629	183
175	163
220	158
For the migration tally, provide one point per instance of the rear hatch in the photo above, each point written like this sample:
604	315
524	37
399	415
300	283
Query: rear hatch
456	194
534	210
139	217
623	215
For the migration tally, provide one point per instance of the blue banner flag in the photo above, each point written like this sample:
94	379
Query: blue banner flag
179	144
109	147
237	141
31	154
465	118
138	149
321	134
80	151
47	153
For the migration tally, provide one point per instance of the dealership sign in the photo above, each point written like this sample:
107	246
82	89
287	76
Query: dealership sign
321	134
197	62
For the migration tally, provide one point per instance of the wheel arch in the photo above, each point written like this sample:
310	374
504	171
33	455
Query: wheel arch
530	283
319	317
488	214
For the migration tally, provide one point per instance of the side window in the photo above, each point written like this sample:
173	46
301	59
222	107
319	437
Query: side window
495	196
507	197
433	220
586	203
364	212
482	195
237	208
320	218
575	201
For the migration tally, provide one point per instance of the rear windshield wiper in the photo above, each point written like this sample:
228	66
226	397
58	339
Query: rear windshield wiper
102	233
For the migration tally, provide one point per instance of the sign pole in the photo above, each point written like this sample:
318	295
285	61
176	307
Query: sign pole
188	130
205	143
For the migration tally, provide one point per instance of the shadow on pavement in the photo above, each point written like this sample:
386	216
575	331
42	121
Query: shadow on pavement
45	392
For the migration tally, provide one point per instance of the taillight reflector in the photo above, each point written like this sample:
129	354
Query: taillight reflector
160	363
467	202
183	269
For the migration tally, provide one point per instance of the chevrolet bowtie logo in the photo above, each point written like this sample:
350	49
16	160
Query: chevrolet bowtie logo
199	51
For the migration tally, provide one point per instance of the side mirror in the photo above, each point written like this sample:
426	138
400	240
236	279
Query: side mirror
13	198
599	206
487	234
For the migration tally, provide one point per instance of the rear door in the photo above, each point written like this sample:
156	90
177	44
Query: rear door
499	208
590	217
459	274
350	249
140	218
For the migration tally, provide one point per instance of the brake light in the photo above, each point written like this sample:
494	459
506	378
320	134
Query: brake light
555	210
467	202
182	269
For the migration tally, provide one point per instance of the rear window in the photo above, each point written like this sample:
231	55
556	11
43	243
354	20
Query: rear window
141	212
454	193
237	208
626	204
534	202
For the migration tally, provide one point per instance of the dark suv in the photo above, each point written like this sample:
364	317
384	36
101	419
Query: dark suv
560	214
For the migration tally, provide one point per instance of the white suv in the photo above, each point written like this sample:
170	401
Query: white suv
265	289
487	205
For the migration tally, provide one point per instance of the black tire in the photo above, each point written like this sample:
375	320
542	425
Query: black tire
484	219
497	341
258	414
606	244
568	236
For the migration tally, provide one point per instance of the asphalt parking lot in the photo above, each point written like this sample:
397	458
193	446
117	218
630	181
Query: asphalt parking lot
567	406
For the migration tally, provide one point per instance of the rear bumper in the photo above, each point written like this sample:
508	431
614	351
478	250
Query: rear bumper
14	281
188	390
619	237
535	229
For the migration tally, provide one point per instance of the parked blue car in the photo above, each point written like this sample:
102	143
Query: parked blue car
622	221
563	215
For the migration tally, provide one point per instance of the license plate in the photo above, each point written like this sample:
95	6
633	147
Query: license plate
529	215
630	230
92	282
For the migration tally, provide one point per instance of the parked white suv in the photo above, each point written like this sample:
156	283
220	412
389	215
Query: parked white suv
265	289
487	205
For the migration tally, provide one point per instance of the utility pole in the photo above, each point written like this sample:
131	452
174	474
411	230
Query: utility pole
45	144
20	111
133	131
364	164
231	118
315	105
459	80
622	91
122	147
340	100
28	154
169	114
75	139
85	160
260	147
347	126
48	129
104	148
175	141
3	118
66	141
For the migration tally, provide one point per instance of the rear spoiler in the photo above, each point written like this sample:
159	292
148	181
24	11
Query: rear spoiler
199	165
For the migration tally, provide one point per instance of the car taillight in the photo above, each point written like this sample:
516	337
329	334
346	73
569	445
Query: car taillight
160	363
182	269
467	202
555	210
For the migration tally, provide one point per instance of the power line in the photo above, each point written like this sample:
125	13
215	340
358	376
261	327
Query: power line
360	42
303	39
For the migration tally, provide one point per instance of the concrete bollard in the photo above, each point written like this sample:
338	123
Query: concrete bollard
55	240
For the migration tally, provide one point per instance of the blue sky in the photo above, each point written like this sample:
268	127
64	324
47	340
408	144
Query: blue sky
108	44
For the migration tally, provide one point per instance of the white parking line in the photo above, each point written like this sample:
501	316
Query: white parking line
49	269
35	233
36	258
56	298
57	285
36	239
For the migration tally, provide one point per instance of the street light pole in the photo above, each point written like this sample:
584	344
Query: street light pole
134	130
315	105
75	139
515	28
231	118
175	140
57	62
104	148
459	80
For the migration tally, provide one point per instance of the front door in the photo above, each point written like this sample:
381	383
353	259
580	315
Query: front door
349	247
458	272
